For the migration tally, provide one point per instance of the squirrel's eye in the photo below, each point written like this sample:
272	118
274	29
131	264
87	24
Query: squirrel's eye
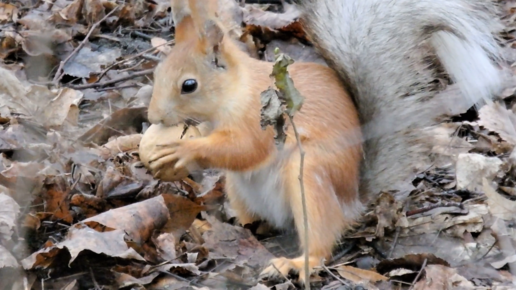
189	86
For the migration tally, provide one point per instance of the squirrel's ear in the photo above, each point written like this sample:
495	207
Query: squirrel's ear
213	34
180	10
183	23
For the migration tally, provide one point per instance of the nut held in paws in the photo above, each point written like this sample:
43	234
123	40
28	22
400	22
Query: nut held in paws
159	134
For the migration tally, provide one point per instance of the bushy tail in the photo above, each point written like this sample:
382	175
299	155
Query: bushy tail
393	56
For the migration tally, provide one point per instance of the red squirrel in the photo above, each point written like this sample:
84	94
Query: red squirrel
206	77
391	56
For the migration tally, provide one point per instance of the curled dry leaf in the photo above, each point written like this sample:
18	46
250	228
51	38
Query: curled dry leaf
152	214
8	216
120	144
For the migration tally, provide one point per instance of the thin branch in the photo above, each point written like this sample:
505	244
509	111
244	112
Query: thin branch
151	49
303	200
333	275
59	73
113	81
418	275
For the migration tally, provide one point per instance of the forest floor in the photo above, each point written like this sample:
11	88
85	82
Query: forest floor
81	211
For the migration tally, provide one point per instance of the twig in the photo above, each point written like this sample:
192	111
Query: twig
141	34
333	275
103	73
303	200
117	87
431	207
418	274
398	230
59	73
113	81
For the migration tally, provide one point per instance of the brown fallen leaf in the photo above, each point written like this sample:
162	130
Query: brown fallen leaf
407	267
8	13
269	25
388	212
225	241
79	238
93	11
359	275
151	214
70	14
56	202
439	277
122	122
182	214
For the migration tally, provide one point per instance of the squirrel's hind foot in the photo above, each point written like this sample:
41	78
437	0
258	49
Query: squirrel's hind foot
280	267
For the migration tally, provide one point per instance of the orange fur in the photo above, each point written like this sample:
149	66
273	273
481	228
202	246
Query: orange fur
262	182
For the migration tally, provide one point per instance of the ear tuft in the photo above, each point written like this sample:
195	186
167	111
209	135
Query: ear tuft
180	10
214	33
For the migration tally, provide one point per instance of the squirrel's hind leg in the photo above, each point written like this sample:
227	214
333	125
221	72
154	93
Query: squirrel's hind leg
325	213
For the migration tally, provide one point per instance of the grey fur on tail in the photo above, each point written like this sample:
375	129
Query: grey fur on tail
391	55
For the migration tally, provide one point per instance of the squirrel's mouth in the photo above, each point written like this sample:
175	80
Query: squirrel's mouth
192	121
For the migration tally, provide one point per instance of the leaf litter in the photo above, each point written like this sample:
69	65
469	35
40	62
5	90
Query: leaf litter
80	210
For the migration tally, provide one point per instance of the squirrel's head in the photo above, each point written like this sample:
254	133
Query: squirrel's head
198	73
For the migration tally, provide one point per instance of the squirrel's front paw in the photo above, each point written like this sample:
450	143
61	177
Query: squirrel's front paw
178	153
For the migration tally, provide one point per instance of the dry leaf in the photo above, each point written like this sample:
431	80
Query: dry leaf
497	118
357	275
8	13
499	206
80	238
471	168
439	277
160	45
8	216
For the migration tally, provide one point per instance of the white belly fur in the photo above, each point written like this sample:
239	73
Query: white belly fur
264	194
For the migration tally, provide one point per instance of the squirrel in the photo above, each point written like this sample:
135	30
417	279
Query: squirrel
385	58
